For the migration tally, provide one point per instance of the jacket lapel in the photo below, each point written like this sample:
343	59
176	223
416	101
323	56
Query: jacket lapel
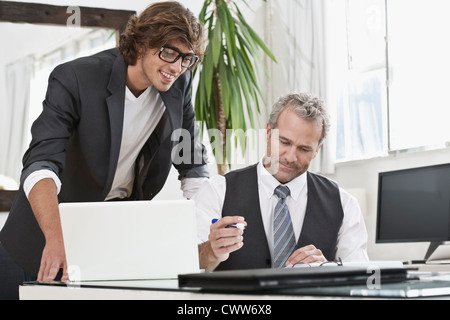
173	101
116	105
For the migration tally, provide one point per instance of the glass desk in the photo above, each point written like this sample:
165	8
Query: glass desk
169	290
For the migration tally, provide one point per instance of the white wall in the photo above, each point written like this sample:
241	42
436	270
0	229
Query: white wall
364	175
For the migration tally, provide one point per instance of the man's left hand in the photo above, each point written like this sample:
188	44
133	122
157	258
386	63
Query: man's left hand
308	254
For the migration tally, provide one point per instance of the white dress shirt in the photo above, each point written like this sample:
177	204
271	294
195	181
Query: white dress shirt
352	237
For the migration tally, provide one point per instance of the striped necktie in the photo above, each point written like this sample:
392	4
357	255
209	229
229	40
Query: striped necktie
283	235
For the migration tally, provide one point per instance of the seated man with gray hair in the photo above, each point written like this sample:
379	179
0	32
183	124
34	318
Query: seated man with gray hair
291	216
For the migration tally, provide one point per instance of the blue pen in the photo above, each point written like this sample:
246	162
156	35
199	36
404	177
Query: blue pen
236	225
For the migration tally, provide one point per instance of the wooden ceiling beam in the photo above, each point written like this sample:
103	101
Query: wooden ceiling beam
44	14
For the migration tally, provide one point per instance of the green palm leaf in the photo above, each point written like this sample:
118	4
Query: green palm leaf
228	76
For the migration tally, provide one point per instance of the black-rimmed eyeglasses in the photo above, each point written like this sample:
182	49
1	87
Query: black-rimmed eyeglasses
172	55
338	263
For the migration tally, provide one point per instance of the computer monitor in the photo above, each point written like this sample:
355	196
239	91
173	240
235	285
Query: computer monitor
414	206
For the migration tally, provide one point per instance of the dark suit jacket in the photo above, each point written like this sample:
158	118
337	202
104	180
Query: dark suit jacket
79	134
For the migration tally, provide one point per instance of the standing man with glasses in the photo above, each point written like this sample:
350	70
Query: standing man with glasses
105	133
292	216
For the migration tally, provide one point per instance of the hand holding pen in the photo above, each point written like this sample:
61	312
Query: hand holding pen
226	236
241	226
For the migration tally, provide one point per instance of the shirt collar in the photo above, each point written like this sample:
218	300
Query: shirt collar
132	98
267	182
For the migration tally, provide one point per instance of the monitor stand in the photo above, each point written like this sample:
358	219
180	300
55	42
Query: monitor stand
433	246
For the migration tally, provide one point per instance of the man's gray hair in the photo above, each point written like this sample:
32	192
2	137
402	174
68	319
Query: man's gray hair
306	106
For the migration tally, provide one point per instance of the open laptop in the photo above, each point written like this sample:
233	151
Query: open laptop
129	240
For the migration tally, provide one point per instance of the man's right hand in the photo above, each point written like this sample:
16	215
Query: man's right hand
53	259
225	240
222	242
44	202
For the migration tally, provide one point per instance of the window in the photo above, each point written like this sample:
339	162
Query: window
397	76
419	77
89	42
362	107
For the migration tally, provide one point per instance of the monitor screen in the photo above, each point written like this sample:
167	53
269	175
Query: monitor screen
414	205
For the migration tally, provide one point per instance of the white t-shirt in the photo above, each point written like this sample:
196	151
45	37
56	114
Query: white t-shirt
141	117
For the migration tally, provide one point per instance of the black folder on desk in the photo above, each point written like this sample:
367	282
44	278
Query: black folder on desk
273	279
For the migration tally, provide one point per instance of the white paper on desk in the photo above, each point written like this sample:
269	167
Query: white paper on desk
440	256
380	264
365	264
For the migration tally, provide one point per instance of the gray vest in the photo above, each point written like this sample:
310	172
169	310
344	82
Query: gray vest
323	219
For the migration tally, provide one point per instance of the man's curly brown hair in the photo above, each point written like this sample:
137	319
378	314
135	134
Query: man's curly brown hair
159	24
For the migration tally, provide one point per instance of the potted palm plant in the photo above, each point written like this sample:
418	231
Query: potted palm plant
228	81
